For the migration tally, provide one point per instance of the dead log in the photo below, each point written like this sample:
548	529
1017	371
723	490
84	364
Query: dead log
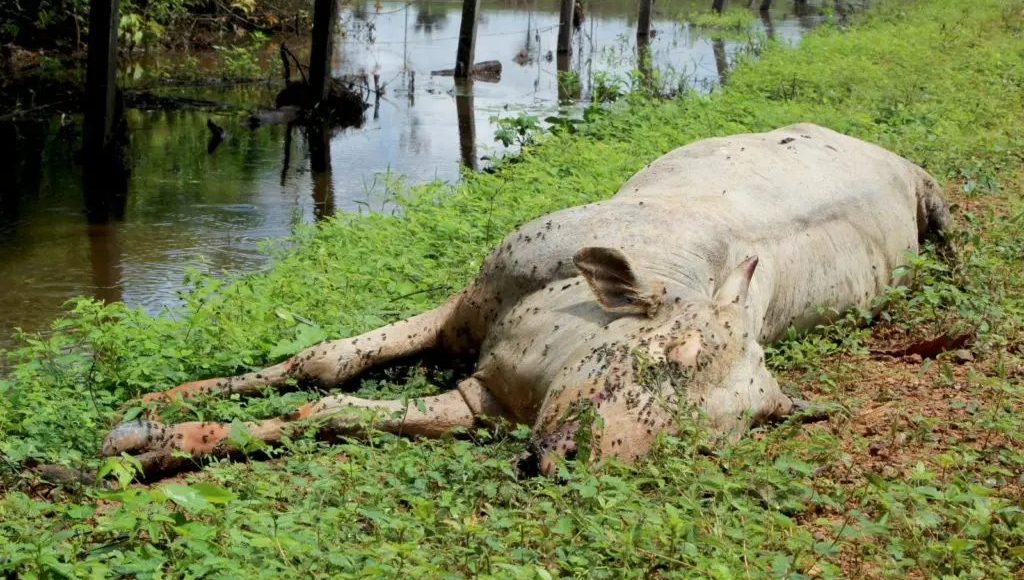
280	116
487	71
344	105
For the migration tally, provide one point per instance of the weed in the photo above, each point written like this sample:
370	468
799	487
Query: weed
734	19
520	130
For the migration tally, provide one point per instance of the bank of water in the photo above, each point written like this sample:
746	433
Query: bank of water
188	209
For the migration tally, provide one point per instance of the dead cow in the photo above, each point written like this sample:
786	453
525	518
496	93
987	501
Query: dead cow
610	316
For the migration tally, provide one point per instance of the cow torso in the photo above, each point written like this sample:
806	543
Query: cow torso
830	217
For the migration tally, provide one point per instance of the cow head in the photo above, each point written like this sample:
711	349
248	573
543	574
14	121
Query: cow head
662	356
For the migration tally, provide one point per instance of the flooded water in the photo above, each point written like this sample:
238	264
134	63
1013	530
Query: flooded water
190	210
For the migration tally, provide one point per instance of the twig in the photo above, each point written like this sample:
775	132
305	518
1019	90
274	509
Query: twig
236	16
14	468
397	298
23	112
298	65
662	556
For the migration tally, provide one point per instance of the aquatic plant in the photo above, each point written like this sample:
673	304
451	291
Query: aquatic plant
733	19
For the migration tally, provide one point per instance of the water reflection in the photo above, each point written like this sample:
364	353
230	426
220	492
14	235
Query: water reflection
105	260
430	18
190	209
467	122
805	13
721	60
319	137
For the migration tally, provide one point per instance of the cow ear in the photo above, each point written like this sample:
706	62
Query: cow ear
614	283
736	285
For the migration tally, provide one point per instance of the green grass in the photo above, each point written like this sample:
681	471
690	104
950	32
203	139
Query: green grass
940	81
737	20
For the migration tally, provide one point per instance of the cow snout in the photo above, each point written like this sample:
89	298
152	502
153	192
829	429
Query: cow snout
528	464
542	459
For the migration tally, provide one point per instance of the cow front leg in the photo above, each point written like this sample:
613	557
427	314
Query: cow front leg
161	448
331	363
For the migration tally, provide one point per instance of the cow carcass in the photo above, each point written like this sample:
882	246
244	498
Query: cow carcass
610	317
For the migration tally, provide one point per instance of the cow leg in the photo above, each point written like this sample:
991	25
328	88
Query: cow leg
155	444
331	363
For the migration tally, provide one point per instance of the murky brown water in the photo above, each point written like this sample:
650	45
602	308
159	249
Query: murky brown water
188	209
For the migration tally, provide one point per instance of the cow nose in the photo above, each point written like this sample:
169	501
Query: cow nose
543	460
528	464
534	463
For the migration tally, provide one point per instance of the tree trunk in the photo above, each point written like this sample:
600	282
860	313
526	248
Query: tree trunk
643	26
325	14
100	85
467	39
565	26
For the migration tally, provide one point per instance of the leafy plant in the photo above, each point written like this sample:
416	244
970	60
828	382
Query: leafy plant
607	89
733	19
241	62
519	130
569	85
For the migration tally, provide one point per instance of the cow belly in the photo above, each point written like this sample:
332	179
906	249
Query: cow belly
830	268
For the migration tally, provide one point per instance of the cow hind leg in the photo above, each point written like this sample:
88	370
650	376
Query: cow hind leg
332	363
161	448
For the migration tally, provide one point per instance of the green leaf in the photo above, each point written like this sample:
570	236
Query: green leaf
131	414
875	480
307	335
420	405
185	496
586	490
564	527
212	493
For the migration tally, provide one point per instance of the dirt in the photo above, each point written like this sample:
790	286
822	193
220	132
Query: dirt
892	342
903	412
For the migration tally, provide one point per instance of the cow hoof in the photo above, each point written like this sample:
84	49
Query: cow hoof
133	437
